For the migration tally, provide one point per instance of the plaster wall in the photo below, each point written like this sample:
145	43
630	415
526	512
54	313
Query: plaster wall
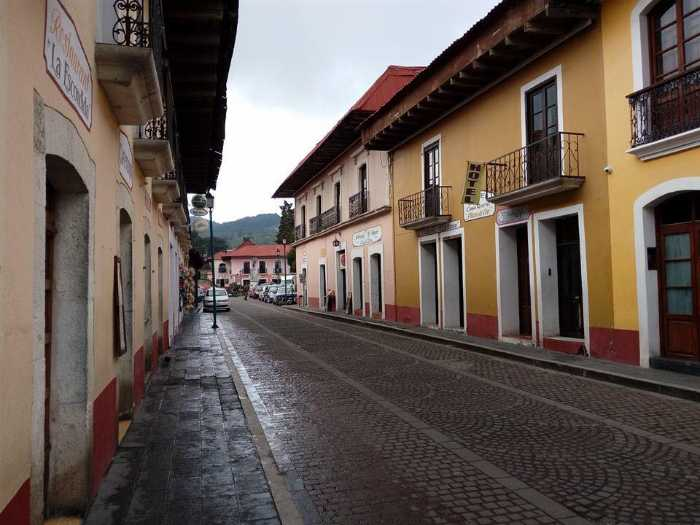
491	126
23	76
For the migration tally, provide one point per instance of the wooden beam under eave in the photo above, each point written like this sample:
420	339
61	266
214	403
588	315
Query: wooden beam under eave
581	12
541	29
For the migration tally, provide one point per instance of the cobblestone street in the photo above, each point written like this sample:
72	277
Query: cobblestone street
374	427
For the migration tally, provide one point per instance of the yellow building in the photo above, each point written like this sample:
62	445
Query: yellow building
561	242
101	142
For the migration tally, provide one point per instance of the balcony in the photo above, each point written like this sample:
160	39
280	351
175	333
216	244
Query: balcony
314	225
126	67
330	218
175	212
152	149
300	231
545	167
426	208
166	189
358	203
665	117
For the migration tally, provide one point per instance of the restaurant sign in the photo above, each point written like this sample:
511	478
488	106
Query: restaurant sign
66	61
126	160
368	236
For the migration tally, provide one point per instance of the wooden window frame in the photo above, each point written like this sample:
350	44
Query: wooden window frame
681	41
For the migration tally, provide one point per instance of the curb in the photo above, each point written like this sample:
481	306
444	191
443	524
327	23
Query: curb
638	383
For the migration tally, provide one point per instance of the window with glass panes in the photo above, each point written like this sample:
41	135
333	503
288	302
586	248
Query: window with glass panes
675	38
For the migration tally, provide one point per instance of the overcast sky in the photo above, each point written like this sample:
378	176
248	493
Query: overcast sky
298	65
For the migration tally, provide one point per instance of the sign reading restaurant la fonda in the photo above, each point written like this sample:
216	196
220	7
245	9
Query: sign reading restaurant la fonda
66	61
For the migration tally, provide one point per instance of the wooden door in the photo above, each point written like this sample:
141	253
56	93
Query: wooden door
524	302
679	290
569	283
543	156
48	329
678	245
431	179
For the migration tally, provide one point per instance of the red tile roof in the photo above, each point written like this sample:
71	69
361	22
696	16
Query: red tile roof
346	131
249	249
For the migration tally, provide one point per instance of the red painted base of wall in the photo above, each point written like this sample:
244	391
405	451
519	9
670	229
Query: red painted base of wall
154	352
314	302
166	336
621	346
408	315
390	313
367	309
139	375
357	312
104	433
565	347
18	510
480	325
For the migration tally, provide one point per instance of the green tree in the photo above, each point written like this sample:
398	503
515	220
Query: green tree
201	244
286	227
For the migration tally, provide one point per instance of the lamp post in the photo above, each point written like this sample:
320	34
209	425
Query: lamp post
284	247
210	205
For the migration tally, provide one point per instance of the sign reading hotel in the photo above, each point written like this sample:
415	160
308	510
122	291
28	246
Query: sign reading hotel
126	160
66	61
475	198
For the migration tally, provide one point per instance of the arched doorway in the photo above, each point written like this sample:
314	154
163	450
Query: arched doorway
126	372
678	260
148	302
66	286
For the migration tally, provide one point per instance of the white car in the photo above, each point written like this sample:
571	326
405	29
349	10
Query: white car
222	300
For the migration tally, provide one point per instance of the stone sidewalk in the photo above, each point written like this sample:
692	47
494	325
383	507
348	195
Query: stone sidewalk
189	456
654	380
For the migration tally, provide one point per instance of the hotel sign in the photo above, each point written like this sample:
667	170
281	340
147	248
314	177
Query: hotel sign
66	61
126	160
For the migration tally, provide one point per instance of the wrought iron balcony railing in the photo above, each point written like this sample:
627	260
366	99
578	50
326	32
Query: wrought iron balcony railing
155	129
300	231
431	203
358	203
330	217
666	108
130	28
554	157
314	225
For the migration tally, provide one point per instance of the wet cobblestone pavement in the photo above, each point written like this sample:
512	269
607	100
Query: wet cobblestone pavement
188	457
375	427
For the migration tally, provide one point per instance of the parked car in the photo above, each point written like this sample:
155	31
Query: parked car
272	292
222	302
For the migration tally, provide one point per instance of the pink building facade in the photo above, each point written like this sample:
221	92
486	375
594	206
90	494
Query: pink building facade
250	264
344	228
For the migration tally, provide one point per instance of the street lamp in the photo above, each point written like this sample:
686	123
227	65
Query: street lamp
210	205
284	247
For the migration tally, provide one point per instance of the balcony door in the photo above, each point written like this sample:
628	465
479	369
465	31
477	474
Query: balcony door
431	179
364	189
542	113
678	242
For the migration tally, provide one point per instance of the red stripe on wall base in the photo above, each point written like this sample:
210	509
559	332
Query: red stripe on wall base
617	345
18	509
480	325
166	336
408	315
104	433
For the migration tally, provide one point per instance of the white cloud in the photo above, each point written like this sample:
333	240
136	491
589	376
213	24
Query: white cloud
299	65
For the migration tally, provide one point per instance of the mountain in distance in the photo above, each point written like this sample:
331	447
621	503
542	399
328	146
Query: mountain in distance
261	228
